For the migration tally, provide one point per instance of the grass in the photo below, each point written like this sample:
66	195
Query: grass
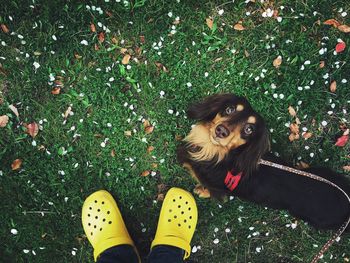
43	203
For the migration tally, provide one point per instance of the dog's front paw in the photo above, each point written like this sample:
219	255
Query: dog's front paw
201	191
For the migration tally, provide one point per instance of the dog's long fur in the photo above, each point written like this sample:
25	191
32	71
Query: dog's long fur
209	153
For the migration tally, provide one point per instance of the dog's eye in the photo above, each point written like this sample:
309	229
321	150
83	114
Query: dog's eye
229	110
248	129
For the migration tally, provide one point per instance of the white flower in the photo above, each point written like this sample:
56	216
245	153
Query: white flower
170	111
161	93
216	241
54	37
279	19
170	14
221	12
189	84
206	74
14	231
26	251
84	42
194	249
324	123
36	65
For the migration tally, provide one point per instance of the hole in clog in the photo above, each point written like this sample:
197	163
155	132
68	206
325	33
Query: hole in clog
182	212
88	215
98	210
94	226
180	197
186	203
175	216
110	222
104	220
108	212
170	210
95	201
89	224
179	224
173	200
179	206
185	221
189	209
189	227
96	217
103	202
91	233
101	229
190	217
169	220
90	208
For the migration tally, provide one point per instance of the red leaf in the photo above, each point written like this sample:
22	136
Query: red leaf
33	129
340	47
342	140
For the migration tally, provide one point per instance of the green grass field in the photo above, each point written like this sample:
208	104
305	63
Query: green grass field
92	134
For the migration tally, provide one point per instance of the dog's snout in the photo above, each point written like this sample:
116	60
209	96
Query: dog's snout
221	131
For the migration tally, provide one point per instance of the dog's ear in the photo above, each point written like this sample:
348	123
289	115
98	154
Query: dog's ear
247	160
207	109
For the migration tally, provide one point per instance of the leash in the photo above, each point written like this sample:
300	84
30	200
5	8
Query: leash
321	179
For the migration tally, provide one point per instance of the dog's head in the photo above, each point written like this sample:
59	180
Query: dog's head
228	126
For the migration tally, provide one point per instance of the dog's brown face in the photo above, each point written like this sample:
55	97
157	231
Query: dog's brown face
227	123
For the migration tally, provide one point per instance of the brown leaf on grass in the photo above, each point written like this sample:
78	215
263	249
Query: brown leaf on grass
146	123
297	121
333	86
161	67
138	51
160	197
246	53
68	111
307	135
209	22
346	168
294	128
4	119
113	153
332	22
16	164
238	27
108	13
56	91
161	188
178	137
4	28
150	149
342	140
32	129
292	111
344	28
302	165
293	137
77	56
123	50
277	62
149	129
145	173
101	37
92	28
154	165
322	63
14	110
127	133
126	59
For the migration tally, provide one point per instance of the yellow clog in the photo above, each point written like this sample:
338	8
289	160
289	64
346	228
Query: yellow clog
177	220
103	223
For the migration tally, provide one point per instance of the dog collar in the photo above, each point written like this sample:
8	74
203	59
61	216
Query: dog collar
231	181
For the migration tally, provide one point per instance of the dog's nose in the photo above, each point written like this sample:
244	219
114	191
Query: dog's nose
221	131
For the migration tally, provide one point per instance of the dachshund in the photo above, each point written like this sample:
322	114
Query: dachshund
222	152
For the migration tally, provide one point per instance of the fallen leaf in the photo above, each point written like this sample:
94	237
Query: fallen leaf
333	86
56	91
145	173
127	133
33	129
292	111
209	22
154	165
293	137
297	121
294	128
344	28
160	197
146	123
161	66
307	135
346	168
92	28
238	27
346	132
101	37
149	129
340	47
16	164
178	137
77	56
126	59
150	149
332	22
322	63
4	119
277	62
302	165
114	40
108	13
113	153
68	111
161	188
14	110
4	28
246	53
342	140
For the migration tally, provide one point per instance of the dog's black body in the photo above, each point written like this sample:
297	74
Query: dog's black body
320	204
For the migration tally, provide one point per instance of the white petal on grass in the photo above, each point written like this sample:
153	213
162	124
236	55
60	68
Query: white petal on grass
84	42
14	231
36	65
216	241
